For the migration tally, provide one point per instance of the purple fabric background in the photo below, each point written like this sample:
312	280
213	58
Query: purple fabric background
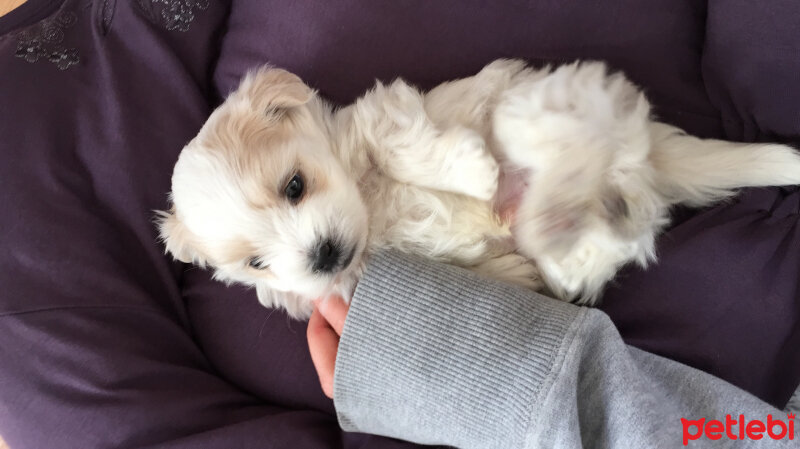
751	66
108	343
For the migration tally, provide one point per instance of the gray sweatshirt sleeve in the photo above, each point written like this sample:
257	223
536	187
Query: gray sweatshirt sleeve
437	355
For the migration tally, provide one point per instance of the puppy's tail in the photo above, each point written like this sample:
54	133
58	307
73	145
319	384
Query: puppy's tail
700	171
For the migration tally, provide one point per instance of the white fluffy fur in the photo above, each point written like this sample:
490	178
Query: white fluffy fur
573	150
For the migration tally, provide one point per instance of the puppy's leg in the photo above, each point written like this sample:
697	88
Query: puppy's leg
461	163
407	145
468	102
512	268
574	115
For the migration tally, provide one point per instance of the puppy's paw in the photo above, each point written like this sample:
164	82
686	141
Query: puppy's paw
514	269
472	169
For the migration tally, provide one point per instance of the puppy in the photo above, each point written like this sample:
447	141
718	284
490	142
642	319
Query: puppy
551	179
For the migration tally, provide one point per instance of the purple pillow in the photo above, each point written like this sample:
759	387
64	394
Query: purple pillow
751	67
726	279
342	47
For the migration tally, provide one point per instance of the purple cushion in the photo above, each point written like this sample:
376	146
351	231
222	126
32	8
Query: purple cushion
751	66
724	296
342	47
727	276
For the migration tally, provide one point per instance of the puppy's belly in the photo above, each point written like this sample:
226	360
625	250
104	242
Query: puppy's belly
512	185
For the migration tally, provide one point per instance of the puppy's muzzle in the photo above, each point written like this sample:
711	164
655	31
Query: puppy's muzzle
328	257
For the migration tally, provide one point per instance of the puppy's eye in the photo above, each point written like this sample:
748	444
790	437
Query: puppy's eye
294	188
255	262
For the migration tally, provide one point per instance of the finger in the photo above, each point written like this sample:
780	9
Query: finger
334	309
323	344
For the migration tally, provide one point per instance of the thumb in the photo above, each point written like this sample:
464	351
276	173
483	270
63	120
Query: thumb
334	310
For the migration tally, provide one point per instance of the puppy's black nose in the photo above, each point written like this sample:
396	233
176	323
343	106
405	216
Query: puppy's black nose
326	256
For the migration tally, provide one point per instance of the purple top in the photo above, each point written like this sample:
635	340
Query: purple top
108	343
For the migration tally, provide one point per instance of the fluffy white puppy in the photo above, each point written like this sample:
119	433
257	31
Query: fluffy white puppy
282	192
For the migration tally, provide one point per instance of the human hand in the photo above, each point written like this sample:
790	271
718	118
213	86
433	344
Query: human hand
324	329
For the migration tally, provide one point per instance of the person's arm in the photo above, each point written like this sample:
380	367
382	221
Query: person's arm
435	354
6	6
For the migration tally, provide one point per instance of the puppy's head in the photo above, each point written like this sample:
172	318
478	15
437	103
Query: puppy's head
260	196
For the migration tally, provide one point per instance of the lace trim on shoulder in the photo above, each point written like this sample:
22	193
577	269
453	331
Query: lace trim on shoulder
44	41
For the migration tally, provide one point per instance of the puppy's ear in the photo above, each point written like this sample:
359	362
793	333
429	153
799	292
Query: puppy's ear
271	90
178	240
